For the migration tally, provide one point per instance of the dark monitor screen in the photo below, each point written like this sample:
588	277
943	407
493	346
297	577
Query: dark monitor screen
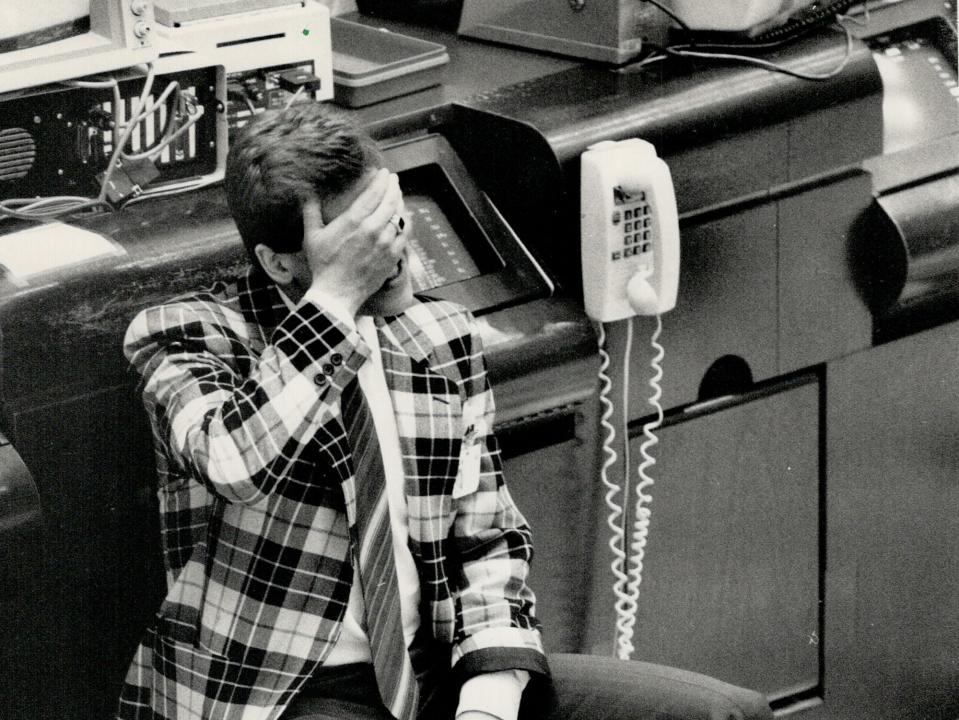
461	248
438	253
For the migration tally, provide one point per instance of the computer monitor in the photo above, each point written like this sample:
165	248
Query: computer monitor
55	40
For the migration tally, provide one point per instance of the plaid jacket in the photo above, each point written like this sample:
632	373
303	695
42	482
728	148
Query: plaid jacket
256	494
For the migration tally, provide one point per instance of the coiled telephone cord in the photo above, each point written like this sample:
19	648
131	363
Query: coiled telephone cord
627	570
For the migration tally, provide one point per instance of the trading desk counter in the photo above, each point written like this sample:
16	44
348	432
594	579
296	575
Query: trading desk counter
798	457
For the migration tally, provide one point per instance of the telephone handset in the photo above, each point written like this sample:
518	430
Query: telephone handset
629	231
630	254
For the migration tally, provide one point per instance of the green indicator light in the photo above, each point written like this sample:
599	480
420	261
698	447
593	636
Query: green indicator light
306	31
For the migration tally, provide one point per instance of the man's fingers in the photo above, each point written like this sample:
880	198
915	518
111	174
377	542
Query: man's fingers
390	204
312	215
370	198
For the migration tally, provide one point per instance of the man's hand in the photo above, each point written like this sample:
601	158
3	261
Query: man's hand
358	251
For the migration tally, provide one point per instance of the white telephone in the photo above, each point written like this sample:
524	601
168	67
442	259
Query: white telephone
630	254
630	231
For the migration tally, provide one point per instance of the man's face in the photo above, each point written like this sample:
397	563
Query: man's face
396	294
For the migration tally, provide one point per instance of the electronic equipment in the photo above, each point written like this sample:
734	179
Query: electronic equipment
244	35
630	231
736	15
756	23
62	142
630	257
273	52
62	39
614	32
116	134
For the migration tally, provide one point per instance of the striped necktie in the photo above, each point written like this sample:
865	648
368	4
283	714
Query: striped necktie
377	568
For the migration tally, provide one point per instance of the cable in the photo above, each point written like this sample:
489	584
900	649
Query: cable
642	513
766	64
294	97
183	113
626	605
50	208
678	20
617	540
176	188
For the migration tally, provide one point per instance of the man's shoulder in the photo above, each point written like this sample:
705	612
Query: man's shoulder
218	300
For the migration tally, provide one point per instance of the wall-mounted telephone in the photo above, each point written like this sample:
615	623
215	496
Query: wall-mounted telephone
630	231
630	254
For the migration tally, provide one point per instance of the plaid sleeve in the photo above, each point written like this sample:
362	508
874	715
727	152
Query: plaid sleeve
496	627
233	418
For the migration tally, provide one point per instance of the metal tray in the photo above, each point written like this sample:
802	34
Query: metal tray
373	64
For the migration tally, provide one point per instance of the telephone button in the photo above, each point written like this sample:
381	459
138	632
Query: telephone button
617	255
616	217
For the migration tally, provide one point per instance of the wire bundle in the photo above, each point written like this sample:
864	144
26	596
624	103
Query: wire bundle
183	112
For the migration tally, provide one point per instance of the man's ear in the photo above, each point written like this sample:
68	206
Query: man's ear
278	265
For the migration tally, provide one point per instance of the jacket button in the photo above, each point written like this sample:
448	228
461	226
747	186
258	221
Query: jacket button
327	368
336	359
320	379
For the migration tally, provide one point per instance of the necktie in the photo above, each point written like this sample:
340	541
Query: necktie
377	568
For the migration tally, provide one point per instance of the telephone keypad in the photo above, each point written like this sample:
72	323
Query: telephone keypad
635	228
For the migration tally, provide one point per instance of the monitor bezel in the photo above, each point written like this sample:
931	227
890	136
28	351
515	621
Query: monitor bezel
509	274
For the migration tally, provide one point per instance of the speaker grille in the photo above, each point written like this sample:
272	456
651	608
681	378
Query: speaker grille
17	153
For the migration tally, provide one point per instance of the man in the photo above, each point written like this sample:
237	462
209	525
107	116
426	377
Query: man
338	537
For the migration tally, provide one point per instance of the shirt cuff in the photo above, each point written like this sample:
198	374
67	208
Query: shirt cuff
497	693
333	305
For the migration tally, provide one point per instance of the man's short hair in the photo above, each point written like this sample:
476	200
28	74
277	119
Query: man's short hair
282	158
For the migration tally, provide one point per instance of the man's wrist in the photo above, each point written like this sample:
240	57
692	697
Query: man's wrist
496	695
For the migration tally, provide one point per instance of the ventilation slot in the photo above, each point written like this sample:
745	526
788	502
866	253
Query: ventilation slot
17	153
